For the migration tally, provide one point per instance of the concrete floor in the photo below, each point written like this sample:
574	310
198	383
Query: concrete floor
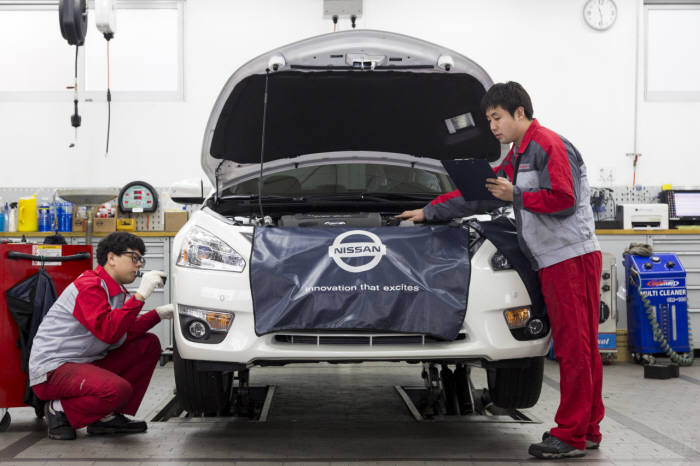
351	415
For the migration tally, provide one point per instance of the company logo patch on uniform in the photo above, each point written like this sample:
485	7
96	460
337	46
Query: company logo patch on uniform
524	166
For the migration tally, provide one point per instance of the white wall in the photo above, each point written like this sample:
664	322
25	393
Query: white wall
581	82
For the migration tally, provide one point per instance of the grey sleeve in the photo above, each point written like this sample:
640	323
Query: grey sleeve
459	207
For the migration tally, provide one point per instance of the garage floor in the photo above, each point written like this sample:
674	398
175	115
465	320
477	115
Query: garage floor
351	414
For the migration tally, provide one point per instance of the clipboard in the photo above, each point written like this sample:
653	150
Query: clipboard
470	177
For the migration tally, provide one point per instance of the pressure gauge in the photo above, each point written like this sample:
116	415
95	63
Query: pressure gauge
138	196
600	14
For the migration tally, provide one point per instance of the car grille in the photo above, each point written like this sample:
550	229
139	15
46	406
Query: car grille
360	340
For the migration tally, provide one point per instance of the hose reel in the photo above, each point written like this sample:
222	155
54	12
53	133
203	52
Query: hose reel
72	17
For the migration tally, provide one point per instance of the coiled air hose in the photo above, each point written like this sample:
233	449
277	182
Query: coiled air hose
638	249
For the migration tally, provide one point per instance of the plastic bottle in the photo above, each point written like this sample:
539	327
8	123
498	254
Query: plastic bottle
3	219
53	215
12	218
6	216
60	215
44	215
68	216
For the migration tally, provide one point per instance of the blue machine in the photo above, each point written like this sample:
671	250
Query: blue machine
661	278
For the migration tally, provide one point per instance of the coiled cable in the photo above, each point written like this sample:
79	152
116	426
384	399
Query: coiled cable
658	333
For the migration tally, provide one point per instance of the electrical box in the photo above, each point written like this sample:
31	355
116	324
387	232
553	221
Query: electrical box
342	8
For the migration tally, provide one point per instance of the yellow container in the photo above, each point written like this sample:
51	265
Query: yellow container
27	218
126	224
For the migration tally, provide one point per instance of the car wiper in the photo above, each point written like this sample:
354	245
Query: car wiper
406	196
265	197
373	196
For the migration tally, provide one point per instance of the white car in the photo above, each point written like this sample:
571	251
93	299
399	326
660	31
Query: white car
347	130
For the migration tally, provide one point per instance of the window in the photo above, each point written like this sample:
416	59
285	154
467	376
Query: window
348	178
672	48
146	54
32	58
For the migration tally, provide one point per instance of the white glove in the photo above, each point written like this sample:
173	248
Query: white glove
149	282
165	311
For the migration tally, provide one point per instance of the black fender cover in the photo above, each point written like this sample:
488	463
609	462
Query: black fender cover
387	279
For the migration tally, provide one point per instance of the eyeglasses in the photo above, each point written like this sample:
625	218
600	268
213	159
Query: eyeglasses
135	257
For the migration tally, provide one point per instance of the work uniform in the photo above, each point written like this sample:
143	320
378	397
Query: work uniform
556	231
92	351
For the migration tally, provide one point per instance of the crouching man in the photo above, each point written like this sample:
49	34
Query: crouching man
91	358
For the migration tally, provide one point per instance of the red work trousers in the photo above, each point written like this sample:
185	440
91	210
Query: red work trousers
571	292
90	391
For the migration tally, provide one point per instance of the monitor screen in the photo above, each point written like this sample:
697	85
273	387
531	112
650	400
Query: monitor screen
687	204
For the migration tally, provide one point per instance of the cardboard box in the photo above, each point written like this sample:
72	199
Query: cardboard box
175	220
104	225
78	224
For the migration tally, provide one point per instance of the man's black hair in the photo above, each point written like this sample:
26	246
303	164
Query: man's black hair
508	96
118	242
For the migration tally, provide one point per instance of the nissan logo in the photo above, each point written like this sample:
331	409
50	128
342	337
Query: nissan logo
372	248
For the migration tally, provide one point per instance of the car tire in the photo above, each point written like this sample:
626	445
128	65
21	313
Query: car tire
201	393
517	386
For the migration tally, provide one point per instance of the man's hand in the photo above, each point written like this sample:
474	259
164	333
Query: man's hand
412	215
165	311
149	282
501	188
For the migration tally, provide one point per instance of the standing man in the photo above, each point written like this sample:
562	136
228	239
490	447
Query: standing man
91	358
544	177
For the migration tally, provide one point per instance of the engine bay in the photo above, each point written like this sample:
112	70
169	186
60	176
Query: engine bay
326	219
335	219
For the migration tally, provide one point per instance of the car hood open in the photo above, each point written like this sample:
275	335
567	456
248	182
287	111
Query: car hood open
369	95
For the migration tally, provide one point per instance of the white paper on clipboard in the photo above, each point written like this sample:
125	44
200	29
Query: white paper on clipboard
47	250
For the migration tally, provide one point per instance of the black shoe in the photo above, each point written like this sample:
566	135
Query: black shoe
590	444
120	424
58	426
552	448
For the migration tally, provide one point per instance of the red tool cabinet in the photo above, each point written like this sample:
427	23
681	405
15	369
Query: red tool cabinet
63	263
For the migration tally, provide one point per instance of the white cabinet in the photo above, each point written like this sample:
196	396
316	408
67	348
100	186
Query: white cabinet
687	248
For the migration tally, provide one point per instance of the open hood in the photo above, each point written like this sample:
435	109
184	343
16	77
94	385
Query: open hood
384	95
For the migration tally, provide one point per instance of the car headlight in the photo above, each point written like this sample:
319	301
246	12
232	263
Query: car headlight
500	262
203	250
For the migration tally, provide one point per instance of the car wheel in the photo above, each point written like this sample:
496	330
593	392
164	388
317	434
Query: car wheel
517	386
201	393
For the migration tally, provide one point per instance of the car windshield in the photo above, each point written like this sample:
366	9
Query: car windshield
347	179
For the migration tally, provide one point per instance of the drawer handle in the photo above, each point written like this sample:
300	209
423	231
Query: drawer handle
157	290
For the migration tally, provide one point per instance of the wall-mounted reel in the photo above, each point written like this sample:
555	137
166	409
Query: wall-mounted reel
72	17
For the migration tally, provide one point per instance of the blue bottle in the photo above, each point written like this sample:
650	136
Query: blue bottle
60	214
67	216
44	216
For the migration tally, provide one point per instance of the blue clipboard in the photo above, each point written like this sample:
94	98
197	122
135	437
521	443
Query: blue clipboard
470	177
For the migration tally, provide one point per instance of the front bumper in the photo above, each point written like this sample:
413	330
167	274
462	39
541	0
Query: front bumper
486	335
